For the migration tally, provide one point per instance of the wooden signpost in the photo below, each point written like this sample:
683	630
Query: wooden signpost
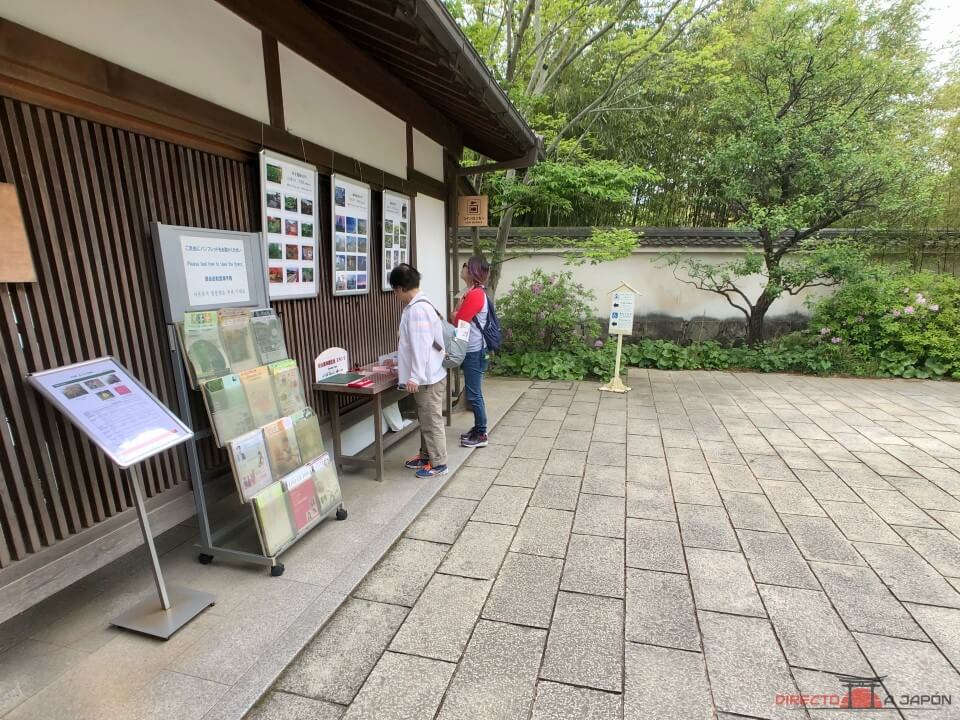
621	323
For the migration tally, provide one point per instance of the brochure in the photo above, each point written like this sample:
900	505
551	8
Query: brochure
287	387
307	429
226	403
248	457
201	339
302	497
326	483
282	446
268	336
259	390
273	518
237	338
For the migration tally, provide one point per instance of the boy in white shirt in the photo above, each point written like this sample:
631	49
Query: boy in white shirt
420	367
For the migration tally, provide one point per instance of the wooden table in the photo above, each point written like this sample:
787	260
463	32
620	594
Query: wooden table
384	391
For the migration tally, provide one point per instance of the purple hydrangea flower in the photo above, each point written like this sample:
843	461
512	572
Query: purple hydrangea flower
921	300
537	288
859	318
824	331
836	340
598	344
909	310
553	279
895	313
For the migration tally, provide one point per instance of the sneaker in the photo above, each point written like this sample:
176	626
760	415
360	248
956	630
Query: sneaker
475	440
428	471
417	462
464	436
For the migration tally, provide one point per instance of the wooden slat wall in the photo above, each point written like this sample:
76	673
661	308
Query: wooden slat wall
89	193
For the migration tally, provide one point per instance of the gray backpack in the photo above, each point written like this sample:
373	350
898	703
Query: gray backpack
454	350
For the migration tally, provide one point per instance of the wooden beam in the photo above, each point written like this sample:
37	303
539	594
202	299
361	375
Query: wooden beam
528	160
313	38
271	67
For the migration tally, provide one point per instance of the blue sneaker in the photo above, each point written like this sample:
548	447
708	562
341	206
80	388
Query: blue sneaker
429	471
417	462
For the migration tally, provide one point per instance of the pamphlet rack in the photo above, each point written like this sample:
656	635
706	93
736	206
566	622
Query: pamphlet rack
211	544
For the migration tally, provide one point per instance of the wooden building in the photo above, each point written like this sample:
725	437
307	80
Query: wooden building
118	113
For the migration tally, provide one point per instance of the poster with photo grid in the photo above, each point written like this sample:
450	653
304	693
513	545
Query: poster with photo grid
396	237
351	236
288	196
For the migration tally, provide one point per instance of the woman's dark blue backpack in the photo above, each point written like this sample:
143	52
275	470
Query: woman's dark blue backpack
492	335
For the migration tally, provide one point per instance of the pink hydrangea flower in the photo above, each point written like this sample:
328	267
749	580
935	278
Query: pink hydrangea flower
598	344
921	300
537	288
553	279
824	331
895	313
909	310
934	308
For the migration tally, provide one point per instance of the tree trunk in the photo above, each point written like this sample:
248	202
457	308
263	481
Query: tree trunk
499	251
757	314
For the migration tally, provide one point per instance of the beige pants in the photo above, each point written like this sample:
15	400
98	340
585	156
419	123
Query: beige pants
433	437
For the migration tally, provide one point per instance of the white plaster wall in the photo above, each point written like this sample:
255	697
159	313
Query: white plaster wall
660	291
430	249
427	156
197	46
320	108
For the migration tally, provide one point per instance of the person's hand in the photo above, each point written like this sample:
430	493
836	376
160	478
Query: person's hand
412	386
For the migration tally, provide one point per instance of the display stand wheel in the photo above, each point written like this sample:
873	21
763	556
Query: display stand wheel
341	513
204	559
276	570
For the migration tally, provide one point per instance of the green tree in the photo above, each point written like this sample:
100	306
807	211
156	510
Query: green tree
818	123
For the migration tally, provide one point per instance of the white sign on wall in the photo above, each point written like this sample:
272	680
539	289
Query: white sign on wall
621	313
215	270
288	197
332	361
396	233
351	236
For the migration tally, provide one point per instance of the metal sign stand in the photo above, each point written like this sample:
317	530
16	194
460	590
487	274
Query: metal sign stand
178	606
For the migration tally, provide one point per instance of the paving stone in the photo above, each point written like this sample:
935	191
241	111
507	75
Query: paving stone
943	627
607	453
721	452
721	581
505	434
470	483
864	602
647	470
686	460
737	478
520	472
858	522
775	560
594	566
534	448
947	479
829	687
543	531
604	480
502	504
819	539
911	668
643	426
925	494
573	440
563	702
478	551
518	418
440	624
403	573
811	633
752	443
579	407
645	445
747	670
336	662
497	678
585	644
828	450
654	674
857	475
694	489
852	440
284	706
578	422
894	508
600	515
791	498
551	412
565	462
908	575
525	590
769	467
492	456
751	512
543	429
401	686
442	520
825	485
949	520
706	527
938	547
687	439
808	431
885	464
654	545
613	434
556	491
660	610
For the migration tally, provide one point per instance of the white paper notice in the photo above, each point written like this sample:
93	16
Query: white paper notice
463	331
215	270
396	239
112	409
621	314
351	236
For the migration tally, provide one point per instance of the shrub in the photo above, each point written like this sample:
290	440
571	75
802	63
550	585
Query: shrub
893	322
544	313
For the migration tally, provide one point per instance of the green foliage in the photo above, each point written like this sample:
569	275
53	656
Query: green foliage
603	245
896	323
546	313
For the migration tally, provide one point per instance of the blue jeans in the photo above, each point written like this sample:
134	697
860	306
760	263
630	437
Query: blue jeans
474	365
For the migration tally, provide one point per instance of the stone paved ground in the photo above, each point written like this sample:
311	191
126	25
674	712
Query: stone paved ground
690	551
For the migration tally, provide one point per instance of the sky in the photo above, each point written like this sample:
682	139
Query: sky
942	27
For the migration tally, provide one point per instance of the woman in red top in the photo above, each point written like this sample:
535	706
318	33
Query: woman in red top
473	309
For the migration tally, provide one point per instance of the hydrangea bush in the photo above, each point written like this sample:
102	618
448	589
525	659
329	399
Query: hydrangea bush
544	313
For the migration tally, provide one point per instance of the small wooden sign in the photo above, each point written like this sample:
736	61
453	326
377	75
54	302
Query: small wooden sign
16	261
472	211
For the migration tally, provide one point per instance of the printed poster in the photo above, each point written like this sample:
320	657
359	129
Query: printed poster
215	270
396	240
290	211
351	236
